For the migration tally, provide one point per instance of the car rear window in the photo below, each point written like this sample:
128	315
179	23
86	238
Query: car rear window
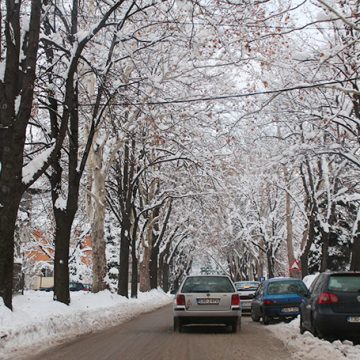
207	284
287	287
247	285
348	283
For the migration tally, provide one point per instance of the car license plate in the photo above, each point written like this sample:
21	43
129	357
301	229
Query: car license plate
245	304
354	319
208	301
290	309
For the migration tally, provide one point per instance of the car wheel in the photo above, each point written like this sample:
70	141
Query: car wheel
318	333
254	317
302	328
177	324
266	319
315	330
236	325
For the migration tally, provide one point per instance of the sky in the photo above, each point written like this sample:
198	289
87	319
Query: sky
38	321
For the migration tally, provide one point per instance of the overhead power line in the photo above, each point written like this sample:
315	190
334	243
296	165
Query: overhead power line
230	96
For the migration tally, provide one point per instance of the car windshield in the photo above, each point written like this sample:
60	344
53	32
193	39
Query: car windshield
287	287
247	285
346	283
207	284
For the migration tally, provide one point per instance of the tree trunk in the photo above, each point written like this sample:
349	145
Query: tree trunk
98	251
61	262
308	239
125	196
270	261
17	84
8	215
325	237
289	228
134	268
165	276
153	267
145	270
134	258
96	210
124	261
311	209
148	244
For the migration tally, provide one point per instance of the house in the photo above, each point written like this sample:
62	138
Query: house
38	263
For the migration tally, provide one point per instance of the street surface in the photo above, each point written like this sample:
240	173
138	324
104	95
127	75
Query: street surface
151	337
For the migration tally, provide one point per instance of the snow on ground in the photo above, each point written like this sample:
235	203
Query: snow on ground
39	322
308	347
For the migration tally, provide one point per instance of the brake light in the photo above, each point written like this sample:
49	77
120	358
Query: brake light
180	300
235	300
268	302
326	298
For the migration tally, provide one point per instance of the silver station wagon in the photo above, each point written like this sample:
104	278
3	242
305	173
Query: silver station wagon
207	299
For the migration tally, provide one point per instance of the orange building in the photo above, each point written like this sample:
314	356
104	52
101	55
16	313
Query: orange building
41	252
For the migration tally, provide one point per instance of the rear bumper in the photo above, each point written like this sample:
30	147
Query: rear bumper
278	312
207	317
330	323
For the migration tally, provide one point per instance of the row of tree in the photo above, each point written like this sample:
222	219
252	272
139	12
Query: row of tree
176	131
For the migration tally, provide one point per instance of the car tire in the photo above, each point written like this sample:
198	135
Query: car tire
315	330
177	325
318	333
235	326
254	317
266	319
302	328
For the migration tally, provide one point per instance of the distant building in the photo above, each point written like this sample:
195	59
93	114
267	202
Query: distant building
39	253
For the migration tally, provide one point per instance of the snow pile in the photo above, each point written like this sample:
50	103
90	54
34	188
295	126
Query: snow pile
37	320
308	347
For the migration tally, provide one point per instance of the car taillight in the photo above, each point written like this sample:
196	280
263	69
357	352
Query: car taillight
326	298
268	302
180	300
235	300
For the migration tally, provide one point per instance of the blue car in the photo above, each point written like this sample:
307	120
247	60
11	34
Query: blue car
278	298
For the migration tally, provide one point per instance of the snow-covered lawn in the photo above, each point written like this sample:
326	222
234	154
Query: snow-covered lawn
38	321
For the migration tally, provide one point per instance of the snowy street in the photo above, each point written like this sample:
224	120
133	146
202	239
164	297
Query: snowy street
108	326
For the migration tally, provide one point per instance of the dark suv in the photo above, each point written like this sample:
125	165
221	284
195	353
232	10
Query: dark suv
332	308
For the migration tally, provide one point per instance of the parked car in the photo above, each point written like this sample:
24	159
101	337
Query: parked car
76	286
207	299
47	289
87	287
332	308
278	298
246	290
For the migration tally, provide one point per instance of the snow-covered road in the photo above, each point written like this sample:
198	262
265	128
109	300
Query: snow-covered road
38	321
